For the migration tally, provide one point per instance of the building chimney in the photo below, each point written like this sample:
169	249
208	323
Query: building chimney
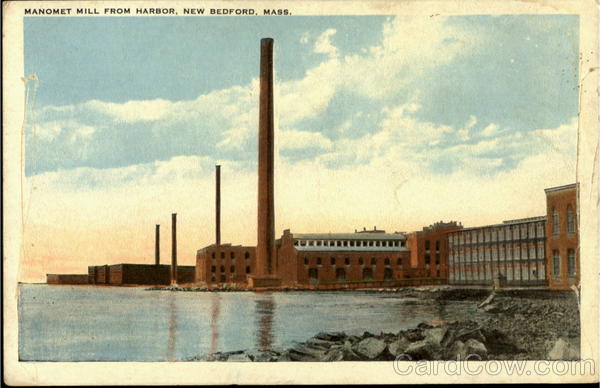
265	250
157	246
174	249
218	205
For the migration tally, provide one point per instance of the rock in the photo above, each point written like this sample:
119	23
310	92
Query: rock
424	350
475	347
242	357
398	347
369	348
457	352
424	325
334	337
267	356
492	308
436	334
301	352
319	343
562	350
497	342
488	300
413	335
334	354
349	354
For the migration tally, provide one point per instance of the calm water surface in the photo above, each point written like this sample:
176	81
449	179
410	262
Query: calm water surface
63	323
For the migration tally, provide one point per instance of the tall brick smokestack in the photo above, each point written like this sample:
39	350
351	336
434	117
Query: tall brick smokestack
157	246
174	249
218	205
266	207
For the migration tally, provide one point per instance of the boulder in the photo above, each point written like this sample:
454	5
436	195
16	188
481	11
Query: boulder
457	352
474	347
302	352
369	348
242	357
413	335
398	347
435	335
319	343
424	350
349	354
334	354
563	350
333	337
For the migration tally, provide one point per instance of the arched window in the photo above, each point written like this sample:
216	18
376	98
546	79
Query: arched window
333	261
373	261
246	255
570	220
232	269
555	224
222	268
247	269
232	255
571	262
319	261
347	261
367	274
387	261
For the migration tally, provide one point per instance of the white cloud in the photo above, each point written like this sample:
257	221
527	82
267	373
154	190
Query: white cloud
133	111
323	44
293	140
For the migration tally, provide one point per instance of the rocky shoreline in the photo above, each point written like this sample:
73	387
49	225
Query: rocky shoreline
518	325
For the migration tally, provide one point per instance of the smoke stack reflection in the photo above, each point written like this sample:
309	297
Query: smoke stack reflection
214	322
265	310
172	328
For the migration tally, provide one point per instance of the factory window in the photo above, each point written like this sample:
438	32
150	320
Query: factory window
401	243
333	261
437	245
213	278
339	243
247	269
296	243
377	243
212	255
306	261
399	262
223	279
387	261
360	261
351	243
555	263
313	275
367	274
571	262
437	258
373	261
427	258
222	268
426	244
232	269
213	269
388	274
222	255
302	243
340	274
347	261
319	261
555	224
311	243
232	255
570	220
345	243
247	255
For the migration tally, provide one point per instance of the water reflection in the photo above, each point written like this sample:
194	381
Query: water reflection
172	327
214	321
265	311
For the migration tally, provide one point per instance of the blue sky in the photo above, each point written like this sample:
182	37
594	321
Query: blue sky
516	73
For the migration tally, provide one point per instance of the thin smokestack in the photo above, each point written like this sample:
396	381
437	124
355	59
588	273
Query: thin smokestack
218	205
266	206
174	249
157	246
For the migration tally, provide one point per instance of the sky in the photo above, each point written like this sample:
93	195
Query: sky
388	121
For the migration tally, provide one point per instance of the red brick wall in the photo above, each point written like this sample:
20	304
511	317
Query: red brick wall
562	242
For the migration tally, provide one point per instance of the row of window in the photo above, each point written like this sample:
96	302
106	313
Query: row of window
347	261
522	253
521	272
556	221
231	255
428	244
213	269
503	233
340	274
571	267
348	243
